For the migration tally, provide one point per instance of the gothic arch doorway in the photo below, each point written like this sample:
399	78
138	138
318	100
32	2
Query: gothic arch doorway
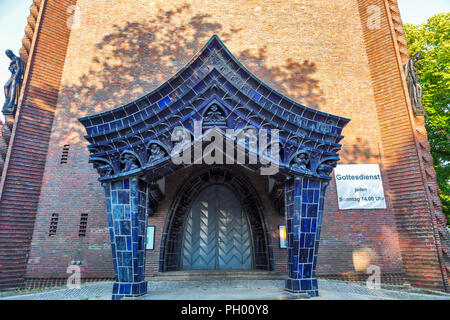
216	233
216	222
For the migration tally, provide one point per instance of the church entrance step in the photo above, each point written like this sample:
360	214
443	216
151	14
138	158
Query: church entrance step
212	275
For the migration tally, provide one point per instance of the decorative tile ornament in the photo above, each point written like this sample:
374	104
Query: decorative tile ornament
215	88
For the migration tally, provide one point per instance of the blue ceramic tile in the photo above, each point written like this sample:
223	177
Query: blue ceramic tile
311	256
117	228
314	284
127	212
128	240
300	271
303	255
302	240
314	184
310	240
305	183
117	185
115	198
125	228
311	210
308	196
121	243
118	212
316	196
306	225
313	225
305	284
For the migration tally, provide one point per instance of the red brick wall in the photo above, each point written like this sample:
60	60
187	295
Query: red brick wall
3	147
319	53
421	253
438	219
26	161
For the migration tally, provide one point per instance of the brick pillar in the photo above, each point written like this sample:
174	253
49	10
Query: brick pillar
304	208
126	203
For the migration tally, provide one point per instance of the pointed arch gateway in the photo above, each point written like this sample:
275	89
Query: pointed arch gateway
216	222
131	148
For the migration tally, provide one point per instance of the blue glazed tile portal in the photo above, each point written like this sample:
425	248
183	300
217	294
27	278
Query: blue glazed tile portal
302	259
213	74
125	231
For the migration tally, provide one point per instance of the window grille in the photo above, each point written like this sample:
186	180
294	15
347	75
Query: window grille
53	224
65	154
83	225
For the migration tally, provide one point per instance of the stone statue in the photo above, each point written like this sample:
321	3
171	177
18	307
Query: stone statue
103	169
414	87
129	162
300	162
155	153
12	86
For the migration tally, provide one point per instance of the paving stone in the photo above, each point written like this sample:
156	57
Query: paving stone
231	290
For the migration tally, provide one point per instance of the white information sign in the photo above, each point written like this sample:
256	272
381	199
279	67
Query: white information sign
359	186
150	237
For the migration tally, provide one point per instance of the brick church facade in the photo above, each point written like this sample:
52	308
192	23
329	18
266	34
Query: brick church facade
91	63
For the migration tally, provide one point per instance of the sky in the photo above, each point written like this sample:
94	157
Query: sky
14	14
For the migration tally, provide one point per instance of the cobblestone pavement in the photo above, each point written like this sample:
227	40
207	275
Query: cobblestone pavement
233	290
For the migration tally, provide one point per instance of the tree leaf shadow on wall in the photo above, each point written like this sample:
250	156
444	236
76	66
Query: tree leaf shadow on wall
358	152
139	56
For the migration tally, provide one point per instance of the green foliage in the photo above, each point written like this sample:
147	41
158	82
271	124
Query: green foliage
432	39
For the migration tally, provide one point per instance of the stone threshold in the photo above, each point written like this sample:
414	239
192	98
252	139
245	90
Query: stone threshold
214	275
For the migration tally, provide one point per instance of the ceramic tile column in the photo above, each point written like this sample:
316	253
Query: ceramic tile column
126	202
304	208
